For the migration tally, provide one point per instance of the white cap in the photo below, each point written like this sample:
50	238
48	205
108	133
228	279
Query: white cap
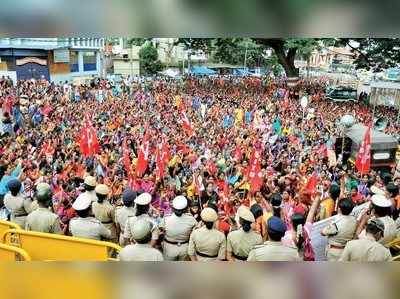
90	181
143	199
376	190
381	201
141	229
180	202
82	202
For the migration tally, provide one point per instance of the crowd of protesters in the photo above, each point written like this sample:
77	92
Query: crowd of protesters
204	205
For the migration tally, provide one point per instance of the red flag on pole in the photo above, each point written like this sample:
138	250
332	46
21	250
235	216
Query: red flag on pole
255	174
143	156
363	161
311	185
88	144
185	120
162	158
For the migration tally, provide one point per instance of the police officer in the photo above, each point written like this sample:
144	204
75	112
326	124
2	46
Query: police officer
104	211
273	249
89	185
368	249
85	226
381	209
141	233
122	213
240	242
142	203
207	243
340	231
177	228
16	203
42	219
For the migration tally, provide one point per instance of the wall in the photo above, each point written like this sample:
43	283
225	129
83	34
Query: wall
124	68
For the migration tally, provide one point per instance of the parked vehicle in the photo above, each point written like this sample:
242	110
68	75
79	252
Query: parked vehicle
342	94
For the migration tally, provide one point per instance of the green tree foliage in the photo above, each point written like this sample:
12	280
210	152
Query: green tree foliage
373	53
149	63
204	44
236	50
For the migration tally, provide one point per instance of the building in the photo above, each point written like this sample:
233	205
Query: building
55	59
126	62
332	58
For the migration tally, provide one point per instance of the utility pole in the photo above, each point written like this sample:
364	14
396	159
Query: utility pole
131	60
245	56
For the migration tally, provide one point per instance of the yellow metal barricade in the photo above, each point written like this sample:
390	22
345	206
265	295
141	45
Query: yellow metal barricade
6	225
52	247
12	253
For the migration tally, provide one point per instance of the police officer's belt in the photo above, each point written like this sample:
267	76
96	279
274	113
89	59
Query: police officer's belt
21	215
176	243
238	257
107	222
206	255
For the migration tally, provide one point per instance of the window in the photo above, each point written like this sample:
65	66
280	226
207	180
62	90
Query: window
73	62
89	61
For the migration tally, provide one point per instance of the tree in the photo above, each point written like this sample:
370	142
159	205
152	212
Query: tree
149	63
203	44
286	50
136	41
239	51
373	53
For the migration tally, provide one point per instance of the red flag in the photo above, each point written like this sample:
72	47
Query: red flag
237	154
89	145
312	184
143	156
255	174
363	161
197	185
162	158
185	121
212	168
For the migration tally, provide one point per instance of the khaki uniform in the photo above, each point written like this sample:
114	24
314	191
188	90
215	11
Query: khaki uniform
155	233
105	213
365	250
240	243
43	220
140	253
207	245
19	207
121	216
390	232
339	233
177	234
272	251
89	228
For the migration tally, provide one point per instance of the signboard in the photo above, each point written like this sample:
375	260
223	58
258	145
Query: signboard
26	60
61	56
